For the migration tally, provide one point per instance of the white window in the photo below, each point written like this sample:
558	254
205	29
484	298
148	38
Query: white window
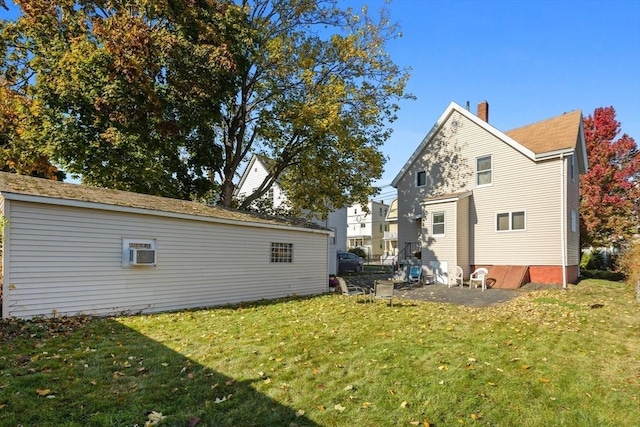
282	252
510	221
483	171
421	178
437	224
362	225
574	221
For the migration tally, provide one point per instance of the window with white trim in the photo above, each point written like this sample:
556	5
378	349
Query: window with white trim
437	223
421	178
484	171
574	221
510	221
282	252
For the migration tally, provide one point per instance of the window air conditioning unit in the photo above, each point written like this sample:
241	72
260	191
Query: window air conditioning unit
142	256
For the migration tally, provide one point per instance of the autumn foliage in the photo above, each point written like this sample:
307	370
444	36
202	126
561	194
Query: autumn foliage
610	190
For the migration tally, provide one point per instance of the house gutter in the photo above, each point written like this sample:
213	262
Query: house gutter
563	220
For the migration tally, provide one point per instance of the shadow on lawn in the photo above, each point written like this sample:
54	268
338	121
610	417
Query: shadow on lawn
104	373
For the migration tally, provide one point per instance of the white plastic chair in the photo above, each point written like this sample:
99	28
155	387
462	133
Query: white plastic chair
458	279
478	277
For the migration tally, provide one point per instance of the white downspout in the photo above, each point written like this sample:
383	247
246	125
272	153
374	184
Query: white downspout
563	220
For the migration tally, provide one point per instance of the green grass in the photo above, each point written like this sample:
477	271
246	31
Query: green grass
546	358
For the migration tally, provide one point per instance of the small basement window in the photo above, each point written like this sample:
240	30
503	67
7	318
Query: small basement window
282	252
138	252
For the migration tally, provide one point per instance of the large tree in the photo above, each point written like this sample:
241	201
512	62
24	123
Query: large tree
128	92
317	97
172	97
21	148
610	190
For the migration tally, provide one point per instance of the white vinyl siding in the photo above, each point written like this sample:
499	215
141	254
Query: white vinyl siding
573	205
440	248
67	260
518	184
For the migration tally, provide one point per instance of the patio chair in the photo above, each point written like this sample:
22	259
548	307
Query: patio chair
478	277
458	279
352	290
383	289
415	274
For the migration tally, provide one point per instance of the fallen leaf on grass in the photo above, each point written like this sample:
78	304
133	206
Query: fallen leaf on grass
366	405
154	418
403	404
321	408
43	391
2	406
476	416
299	413
223	399
347	388
339	407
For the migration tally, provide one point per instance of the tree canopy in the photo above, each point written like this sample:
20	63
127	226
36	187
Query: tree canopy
173	97
610	190
127	92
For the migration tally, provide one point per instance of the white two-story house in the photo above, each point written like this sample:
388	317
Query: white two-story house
366	228
254	174
474	196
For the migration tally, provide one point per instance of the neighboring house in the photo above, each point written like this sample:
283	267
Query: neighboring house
71	249
474	196
254	174
390	254
366	229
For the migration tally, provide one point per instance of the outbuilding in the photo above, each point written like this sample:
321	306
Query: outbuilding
71	249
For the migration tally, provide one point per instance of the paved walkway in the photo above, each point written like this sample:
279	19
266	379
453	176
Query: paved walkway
473	297
462	296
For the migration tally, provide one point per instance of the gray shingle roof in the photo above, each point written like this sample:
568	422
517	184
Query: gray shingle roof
26	185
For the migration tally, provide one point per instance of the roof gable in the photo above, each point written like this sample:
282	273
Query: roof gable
541	140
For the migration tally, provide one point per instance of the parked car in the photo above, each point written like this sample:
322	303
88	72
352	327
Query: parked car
349	262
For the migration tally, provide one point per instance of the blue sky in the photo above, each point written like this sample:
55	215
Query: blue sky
530	60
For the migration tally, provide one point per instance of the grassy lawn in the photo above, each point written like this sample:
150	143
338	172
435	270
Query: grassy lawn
547	358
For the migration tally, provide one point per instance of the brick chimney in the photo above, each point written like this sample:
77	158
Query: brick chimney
483	111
